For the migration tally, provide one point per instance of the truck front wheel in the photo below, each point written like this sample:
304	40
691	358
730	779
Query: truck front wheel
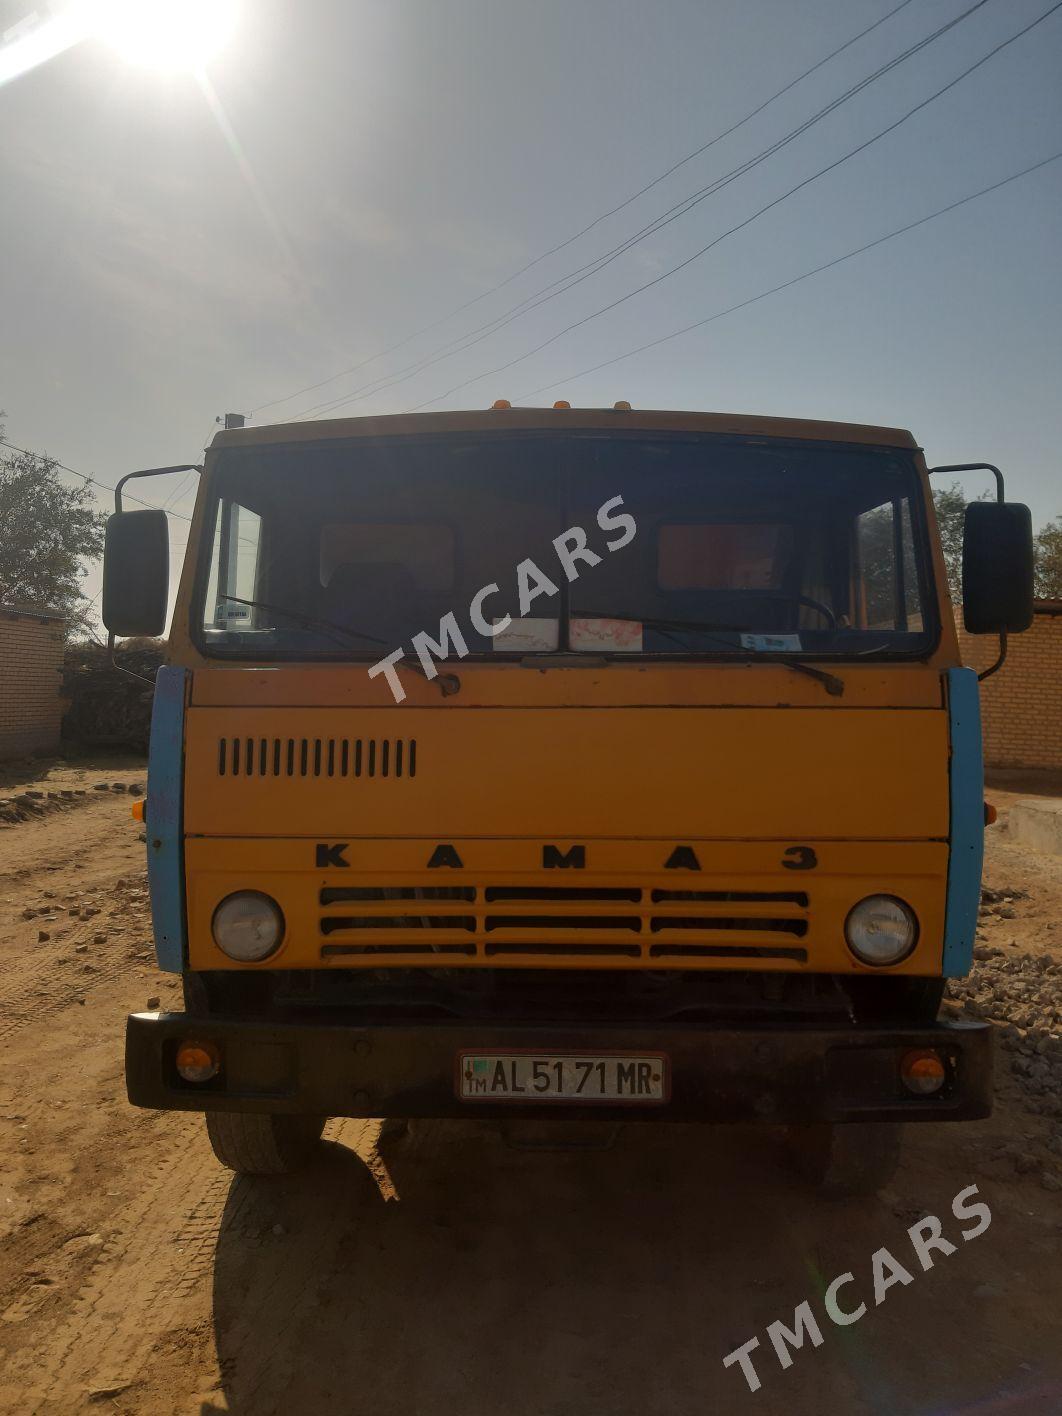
855	1159
260	1143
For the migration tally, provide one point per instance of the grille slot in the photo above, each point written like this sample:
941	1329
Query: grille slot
571	951
332	924
750	897
341	894
797	927
334	950
317	757
724	951
547	921
500	893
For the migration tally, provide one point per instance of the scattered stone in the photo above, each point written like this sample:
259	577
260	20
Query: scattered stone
136	789
279	1230
101	787
43	936
29	913
80	948
1050	1181
153	1004
99	939
107	1393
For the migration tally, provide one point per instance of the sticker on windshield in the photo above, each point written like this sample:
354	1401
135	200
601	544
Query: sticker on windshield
607	636
525	636
771	643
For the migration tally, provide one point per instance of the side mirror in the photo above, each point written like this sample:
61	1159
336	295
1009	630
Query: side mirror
136	573
997	568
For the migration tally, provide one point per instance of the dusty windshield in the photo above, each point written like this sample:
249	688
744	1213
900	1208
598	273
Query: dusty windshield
645	545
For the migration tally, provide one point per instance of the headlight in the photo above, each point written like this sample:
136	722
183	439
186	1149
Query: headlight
881	930
248	926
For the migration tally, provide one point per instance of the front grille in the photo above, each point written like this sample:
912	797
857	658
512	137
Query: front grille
317	757
585	922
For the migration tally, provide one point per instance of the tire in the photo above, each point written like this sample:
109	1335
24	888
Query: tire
855	1159
261	1143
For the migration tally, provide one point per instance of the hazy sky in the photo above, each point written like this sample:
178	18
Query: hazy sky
351	172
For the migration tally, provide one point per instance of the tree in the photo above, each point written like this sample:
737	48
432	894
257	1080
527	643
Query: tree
950	503
47	531
1048	544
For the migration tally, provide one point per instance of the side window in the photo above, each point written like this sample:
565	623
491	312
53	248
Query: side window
234	567
888	578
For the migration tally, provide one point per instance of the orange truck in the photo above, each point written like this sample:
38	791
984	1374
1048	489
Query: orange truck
557	764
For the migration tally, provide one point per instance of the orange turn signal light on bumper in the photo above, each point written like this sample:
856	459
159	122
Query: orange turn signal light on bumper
923	1071
198	1061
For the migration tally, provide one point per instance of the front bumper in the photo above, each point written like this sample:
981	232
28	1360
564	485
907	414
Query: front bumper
732	1074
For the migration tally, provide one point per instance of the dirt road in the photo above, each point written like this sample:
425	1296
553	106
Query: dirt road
456	1275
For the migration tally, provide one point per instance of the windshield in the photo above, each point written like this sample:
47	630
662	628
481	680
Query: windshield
640	544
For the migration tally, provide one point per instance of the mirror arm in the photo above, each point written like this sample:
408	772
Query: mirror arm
995	668
152	472
145	472
129	673
1000	497
964	467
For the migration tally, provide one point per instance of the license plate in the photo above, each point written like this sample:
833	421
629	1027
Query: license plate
562	1077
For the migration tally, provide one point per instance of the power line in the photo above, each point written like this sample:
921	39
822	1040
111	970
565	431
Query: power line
806	275
830	167
561	245
680	209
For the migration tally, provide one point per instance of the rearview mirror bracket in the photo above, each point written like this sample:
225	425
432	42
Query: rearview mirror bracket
146	472
995	667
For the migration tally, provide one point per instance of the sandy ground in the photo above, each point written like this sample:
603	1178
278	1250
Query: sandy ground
453	1274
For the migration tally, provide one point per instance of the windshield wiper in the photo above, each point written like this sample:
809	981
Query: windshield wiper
672	627
340	634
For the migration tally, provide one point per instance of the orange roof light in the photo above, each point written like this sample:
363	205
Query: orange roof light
622	406
562	403
501	403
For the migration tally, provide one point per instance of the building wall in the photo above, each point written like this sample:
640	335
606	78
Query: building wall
31	661
1021	706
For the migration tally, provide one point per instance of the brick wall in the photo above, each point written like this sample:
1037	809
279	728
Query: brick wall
31	659
1021	706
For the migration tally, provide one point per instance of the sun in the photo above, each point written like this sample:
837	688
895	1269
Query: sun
166	34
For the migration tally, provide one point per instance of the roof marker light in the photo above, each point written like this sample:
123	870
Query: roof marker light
622	406
501	403
562	403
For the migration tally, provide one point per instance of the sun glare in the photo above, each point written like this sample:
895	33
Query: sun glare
166	34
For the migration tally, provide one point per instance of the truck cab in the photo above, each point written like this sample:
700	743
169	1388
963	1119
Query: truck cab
557	764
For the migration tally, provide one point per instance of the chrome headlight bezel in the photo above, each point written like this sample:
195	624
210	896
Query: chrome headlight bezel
893	915
248	926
